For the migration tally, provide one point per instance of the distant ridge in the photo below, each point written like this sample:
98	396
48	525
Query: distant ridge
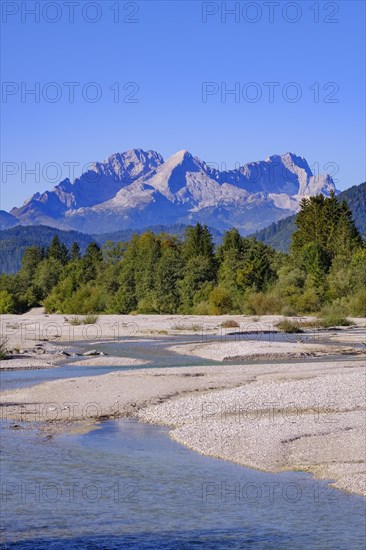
7	220
15	240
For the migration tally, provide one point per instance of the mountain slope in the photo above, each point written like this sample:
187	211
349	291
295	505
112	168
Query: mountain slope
278	235
135	189
100	183
355	197
7	220
14	241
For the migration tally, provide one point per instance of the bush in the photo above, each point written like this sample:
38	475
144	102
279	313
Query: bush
3	348
230	323
182	326
7	303
90	319
262	304
309	301
74	321
291	327
357	304
334	315
334	321
87	320
338	308
59	296
203	308
288	311
86	300
221	301
148	305
326	322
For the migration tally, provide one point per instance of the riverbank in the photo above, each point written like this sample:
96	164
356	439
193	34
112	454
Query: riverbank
305	415
309	418
252	350
38	340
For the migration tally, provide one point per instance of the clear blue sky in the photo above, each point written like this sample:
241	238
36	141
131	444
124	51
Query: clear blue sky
169	52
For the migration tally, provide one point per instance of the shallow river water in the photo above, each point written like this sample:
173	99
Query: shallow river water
127	485
153	350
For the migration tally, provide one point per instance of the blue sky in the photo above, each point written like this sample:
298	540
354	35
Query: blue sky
170	50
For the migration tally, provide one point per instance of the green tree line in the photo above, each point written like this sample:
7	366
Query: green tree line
160	273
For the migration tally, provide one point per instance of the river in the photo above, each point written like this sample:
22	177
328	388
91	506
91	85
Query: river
124	484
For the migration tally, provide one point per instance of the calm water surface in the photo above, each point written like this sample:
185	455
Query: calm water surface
127	485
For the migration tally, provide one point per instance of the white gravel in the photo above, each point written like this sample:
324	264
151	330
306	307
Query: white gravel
109	361
247	350
315	424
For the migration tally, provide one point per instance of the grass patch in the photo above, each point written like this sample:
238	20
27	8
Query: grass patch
230	323
315	323
76	320
182	326
3	348
291	327
288	311
328	321
334	321
90	319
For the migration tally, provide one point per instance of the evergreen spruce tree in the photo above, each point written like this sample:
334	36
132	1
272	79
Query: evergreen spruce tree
58	250
169	273
75	252
91	262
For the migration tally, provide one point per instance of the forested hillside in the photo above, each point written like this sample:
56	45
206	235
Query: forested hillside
356	199
278	234
14	241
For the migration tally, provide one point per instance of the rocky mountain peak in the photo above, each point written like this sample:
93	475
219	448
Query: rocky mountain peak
136	188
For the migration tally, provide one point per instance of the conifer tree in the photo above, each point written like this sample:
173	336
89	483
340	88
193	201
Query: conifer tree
75	252
58	250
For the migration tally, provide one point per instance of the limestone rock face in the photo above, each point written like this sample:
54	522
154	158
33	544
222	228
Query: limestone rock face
137	188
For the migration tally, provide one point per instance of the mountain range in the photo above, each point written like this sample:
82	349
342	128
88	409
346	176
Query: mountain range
137	189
